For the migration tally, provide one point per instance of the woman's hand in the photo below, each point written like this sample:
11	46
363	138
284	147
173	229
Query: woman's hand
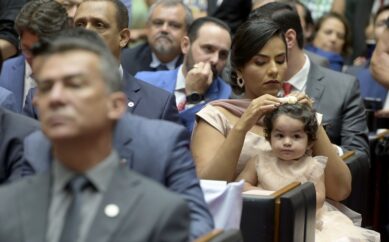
302	98
257	108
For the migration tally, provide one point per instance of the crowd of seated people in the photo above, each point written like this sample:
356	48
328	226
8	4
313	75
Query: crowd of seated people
84	113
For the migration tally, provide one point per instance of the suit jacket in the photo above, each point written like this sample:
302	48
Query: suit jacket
7	99
368	85
219	89
320	60
147	212
143	99
12	78
154	148
337	97
13	128
139	58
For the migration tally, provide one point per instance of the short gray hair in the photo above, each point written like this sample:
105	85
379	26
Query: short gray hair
173	3
108	63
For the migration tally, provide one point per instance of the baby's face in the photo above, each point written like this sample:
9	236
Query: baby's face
288	139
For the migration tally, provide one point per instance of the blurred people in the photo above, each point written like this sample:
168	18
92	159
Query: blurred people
87	194
167	24
336	95
198	80
70	6
38	19
331	40
321	7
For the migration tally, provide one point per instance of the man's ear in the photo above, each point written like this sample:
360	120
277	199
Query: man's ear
291	40
124	36
117	105
185	45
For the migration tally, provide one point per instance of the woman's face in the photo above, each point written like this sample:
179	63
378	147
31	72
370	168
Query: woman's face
331	36
379	25
264	73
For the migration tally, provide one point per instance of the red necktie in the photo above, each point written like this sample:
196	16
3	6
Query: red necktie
287	88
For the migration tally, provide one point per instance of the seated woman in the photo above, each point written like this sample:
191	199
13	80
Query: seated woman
331	39
230	132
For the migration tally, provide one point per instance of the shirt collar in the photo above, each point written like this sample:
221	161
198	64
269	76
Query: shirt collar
27	70
180	83
99	176
155	62
299	79
121	71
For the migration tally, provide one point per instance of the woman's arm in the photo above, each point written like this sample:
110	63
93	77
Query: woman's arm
215	155
249	175
337	174
320	192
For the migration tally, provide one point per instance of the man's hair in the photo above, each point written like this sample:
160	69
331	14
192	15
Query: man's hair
84	40
173	3
285	15
299	111
193	29
42	17
121	15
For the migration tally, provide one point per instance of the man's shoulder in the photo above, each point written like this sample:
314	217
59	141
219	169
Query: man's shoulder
151	90
137	51
16	124
333	78
11	191
13	61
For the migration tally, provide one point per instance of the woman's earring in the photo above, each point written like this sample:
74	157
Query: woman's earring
240	82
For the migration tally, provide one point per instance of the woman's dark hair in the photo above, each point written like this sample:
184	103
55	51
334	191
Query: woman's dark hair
299	111
249	39
346	49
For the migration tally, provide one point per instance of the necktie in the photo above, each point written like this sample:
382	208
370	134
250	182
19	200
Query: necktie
70	231
161	67
287	88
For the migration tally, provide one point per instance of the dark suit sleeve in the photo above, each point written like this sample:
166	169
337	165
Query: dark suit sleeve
170	113
181	178
354	132
173	223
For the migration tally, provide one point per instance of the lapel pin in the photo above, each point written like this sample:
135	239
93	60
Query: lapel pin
111	210
131	104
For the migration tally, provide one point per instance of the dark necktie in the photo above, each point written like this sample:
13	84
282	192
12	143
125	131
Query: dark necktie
161	67
287	88
72	222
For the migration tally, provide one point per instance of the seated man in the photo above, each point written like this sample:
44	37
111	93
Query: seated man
156	149
167	23
197	81
37	19
87	194
143	99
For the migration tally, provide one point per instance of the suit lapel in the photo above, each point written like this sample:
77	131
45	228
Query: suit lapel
315	87
16	82
34	208
122	139
131	88
123	192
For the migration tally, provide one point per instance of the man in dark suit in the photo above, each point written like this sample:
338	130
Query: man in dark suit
110	20
335	95
13	129
87	194
167	24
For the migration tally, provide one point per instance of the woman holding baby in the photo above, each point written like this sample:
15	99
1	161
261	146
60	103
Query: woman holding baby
229	132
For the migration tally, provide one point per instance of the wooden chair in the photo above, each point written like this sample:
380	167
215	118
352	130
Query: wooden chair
285	215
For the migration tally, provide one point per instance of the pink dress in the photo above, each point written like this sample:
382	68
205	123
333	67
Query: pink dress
331	224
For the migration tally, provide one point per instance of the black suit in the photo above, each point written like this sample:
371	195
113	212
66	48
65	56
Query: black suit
13	128
139	58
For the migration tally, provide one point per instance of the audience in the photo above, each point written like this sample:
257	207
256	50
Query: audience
143	99
80	101
335	95
37	19
167	24
70	6
331	40
197	81
229	133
